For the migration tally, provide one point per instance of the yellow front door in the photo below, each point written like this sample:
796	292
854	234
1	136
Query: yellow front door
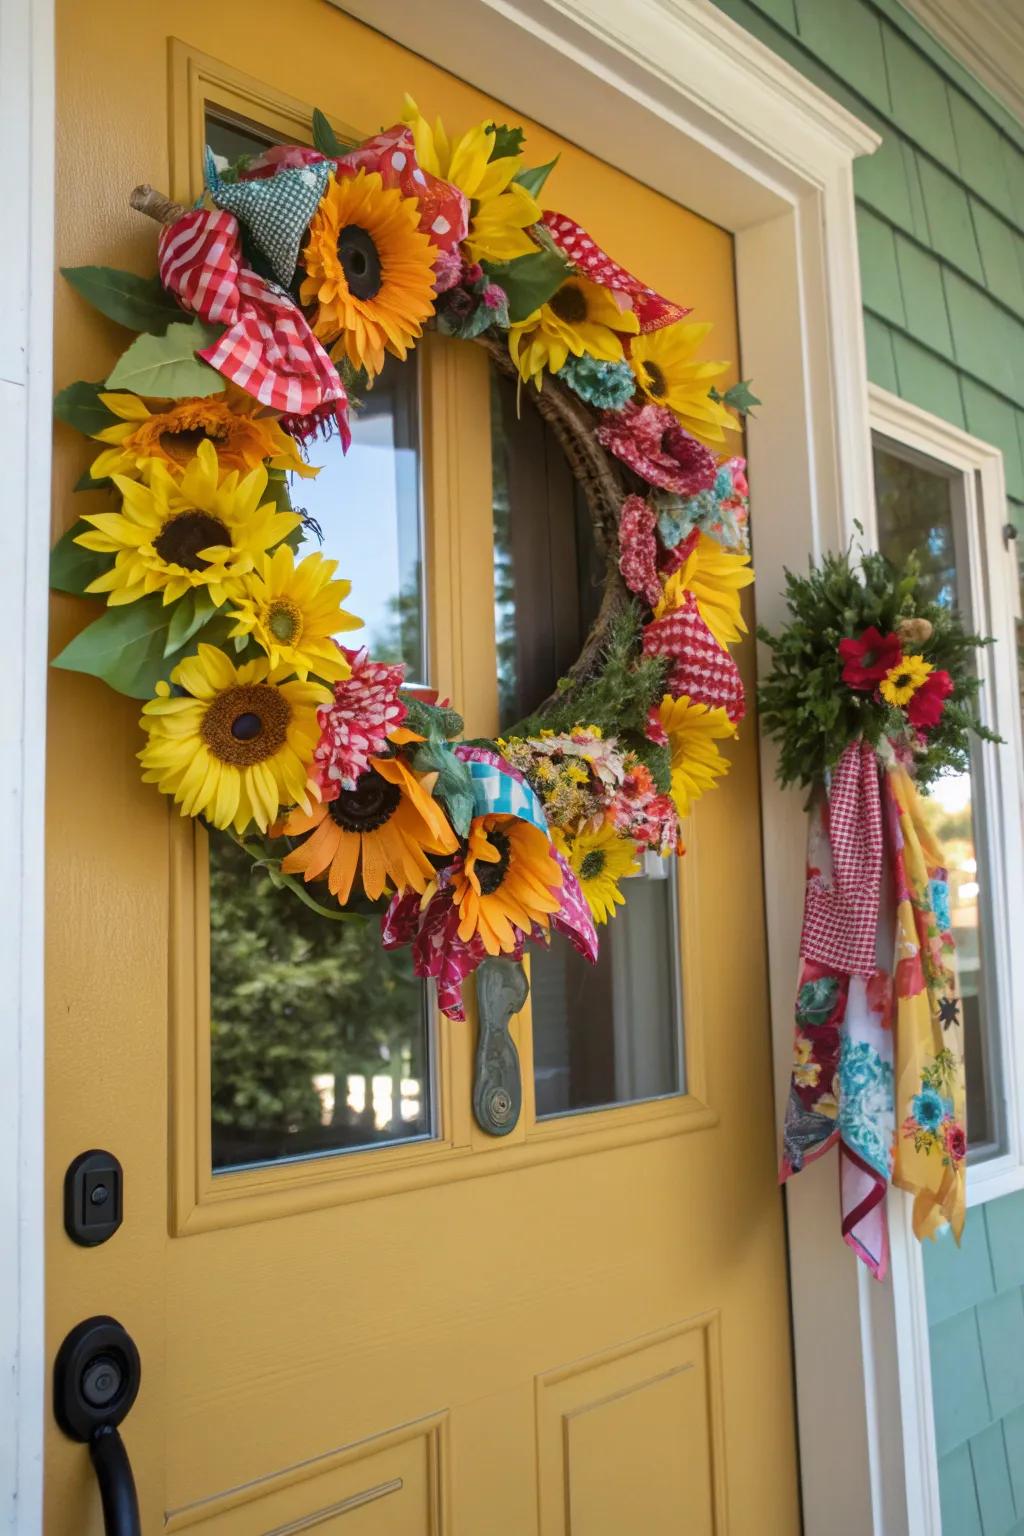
355	1310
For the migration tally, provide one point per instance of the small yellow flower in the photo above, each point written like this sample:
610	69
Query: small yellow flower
827	1104
501	209
805	1071
600	860
293	611
902	681
581	318
692	730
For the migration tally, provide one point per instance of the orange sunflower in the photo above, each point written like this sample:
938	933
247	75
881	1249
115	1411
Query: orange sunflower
170	432
369	270
508	876
383	829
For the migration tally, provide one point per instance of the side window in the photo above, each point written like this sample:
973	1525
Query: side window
320	1041
611	1033
926	506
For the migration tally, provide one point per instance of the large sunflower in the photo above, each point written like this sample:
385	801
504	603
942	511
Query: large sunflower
501	210
369	270
692	730
383	829
508	876
171	535
170	431
716	578
666	371
231	744
580	318
293	611
600	860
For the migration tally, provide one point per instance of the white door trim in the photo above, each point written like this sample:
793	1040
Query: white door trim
673	92
26	266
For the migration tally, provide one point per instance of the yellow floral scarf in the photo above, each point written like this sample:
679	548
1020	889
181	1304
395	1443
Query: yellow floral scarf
931	1134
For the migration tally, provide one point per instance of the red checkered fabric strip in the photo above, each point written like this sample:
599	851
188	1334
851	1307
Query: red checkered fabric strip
272	354
841	905
587	257
700	668
199	258
268	348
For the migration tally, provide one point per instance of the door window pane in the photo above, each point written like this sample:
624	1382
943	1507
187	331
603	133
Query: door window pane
917	510
611	1033
321	1042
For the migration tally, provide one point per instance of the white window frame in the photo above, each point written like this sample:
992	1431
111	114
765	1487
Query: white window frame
975	469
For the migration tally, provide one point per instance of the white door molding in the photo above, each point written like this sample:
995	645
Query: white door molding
26	267
674	93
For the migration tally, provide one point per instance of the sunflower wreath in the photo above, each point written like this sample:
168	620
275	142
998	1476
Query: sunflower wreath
280	292
871	696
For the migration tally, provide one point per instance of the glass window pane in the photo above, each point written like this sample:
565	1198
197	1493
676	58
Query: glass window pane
611	1033
321	1042
916	511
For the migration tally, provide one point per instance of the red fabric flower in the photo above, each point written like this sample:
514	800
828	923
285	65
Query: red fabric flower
280	157
868	658
638	549
650	440
956	1141
356	726
925	708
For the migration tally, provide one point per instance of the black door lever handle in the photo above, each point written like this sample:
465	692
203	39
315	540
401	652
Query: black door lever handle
96	1379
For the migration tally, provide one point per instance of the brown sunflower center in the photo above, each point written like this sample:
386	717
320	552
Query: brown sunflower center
654	379
360	261
904	680
246	724
491	875
182	443
182	537
593	864
367	807
284	621
569	303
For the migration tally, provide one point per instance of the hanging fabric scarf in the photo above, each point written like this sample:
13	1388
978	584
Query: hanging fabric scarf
878	1038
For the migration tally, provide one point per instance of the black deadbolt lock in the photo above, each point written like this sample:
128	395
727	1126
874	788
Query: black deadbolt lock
93	1198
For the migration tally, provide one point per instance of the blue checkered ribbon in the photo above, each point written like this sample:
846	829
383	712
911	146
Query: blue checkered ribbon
496	793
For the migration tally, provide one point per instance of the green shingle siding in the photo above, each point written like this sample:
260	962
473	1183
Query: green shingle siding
940	218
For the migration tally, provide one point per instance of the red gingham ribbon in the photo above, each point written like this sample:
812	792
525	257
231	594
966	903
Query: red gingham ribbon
841	905
587	257
268	348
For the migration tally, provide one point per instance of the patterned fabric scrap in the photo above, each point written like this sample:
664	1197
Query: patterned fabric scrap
931	1144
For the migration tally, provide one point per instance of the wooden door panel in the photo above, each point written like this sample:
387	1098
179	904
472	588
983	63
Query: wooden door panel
290	1317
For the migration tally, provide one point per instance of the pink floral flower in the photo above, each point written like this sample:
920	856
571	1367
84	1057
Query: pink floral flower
356	726
956	1141
640	812
650	440
638	549
280	157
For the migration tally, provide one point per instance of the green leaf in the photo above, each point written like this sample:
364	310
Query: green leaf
140	303
741	397
166	366
529	281
324	137
507	141
124	647
534	177
72	568
188	616
277	490
454	786
85	482
81	407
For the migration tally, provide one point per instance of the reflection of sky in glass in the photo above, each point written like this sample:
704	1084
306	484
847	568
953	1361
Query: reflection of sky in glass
355	500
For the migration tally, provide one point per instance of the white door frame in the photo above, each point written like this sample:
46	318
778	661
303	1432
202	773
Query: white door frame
26	282
673	92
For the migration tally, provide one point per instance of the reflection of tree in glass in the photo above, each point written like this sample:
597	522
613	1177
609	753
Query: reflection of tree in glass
399	639
915	513
293	995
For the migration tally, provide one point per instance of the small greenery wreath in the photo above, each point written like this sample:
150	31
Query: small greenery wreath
278	294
